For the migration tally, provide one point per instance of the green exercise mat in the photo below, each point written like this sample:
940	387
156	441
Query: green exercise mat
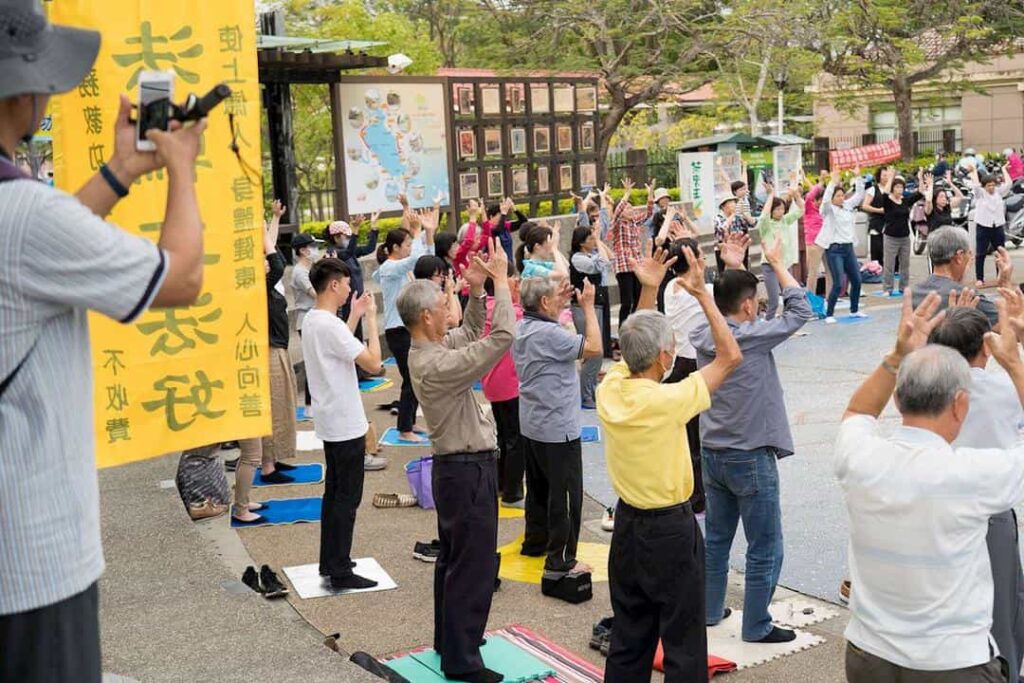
515	664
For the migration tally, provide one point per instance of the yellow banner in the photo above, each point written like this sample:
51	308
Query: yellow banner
176	378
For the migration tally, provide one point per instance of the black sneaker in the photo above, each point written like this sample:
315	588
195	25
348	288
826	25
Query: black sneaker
601	633
426	552
283	466
272	586
276	477
251	579
231	465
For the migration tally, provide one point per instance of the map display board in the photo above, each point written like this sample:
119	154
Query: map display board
395	140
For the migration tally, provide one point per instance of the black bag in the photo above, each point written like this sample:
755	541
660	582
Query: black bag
367	662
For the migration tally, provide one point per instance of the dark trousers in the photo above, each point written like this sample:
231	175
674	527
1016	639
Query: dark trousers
682	369
398	342
656	578
864	667
629	294
875	248
466	495
554	502
606	321
841	260
511	466
343	492
53	644
986	237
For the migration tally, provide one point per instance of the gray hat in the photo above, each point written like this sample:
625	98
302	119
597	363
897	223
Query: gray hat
37	57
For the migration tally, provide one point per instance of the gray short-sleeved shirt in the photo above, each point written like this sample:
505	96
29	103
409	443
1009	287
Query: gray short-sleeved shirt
57	261
545	355
300	290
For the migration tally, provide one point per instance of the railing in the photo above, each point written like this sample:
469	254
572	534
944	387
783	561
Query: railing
316	205
641	165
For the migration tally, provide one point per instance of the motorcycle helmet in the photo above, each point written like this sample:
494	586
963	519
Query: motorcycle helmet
969	152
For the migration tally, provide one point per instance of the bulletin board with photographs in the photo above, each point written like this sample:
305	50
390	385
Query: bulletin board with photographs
534	139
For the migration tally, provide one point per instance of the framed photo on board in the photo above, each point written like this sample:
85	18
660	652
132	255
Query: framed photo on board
564	138
543	180
495	183
516	93
587	136
586	98
588	175
464	97
563	98
541	140
491	98
540	98
520	181
517	140
492	142
467	144
565	177
469	185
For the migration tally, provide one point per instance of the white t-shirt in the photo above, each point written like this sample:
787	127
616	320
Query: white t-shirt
684	314
995	416
330	350
919	510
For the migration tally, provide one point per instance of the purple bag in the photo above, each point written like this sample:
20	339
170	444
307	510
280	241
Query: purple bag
419	472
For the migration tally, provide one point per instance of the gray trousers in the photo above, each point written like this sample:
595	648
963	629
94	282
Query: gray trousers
1008	606
774	289
864	667
893	248
591	366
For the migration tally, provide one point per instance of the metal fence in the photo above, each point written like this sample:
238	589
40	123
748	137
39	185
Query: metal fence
642	165
316	205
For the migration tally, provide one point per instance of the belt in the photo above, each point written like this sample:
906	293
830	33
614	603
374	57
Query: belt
655	512
477	456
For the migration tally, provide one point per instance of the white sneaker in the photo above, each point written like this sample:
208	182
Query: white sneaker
372	463
859	314
608	520
831	320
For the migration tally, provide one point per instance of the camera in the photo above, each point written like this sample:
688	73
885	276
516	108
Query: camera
156	110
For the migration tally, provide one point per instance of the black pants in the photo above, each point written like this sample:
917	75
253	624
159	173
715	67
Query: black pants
682	369
466	495
510	449
53	644
343	492
656	578
606	321
985	237
554	502
875	246
669	277
398	342
629	295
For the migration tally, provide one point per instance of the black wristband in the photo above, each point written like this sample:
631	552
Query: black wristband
115	184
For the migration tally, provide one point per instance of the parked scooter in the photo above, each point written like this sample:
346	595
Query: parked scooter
1015	213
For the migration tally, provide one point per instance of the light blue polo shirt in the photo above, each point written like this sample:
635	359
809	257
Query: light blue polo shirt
545	355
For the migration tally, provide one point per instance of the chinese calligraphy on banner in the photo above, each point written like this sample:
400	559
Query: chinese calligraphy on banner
697	188
176	378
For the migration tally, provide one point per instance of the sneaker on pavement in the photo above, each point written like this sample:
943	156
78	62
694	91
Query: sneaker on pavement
427	552
608	520
844	592
272	586
251	579
372	463
831	320
859	314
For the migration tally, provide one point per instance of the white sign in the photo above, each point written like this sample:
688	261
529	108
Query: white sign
697	187
395	142
786	159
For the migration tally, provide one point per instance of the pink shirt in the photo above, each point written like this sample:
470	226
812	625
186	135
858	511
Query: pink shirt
502	382
1016	166
812	215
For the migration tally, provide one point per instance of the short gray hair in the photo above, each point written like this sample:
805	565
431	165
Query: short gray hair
533	289
944	243
643	336
929	379
416	297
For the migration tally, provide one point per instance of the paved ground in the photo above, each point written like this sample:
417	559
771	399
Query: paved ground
172	608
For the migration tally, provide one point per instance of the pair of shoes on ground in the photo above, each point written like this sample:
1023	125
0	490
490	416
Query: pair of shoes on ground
374	463
601	635
831	320
265	582
427	552
776	635
206	510
394	500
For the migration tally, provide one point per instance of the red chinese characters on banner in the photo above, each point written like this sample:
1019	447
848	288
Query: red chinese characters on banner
868	155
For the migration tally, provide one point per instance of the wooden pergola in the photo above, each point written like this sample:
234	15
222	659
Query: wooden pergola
284	61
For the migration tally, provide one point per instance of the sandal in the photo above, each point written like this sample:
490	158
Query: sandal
394	500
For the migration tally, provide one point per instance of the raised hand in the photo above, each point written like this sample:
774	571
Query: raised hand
508	206
734	249
364	305
627	185
652	269
437	199
917	324
1004	345
1004	266
277	208
356	222
373	219
773	252
429	218
585	297
650	190
403	200
965	298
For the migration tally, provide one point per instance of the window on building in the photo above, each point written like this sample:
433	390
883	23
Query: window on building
929	122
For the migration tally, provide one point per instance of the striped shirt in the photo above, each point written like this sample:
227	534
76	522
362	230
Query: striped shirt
57	261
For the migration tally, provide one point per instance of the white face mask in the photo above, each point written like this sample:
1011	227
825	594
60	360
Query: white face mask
667	371
314	254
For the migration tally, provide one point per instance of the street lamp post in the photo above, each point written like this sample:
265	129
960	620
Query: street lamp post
780	81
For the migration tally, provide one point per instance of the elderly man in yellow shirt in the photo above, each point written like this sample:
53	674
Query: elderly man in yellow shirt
656	565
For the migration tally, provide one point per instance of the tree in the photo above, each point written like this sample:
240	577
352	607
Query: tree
445	20
641	50
872	44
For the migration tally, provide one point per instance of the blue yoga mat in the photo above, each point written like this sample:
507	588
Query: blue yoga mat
286	511
881	295
478	386
390	361
312	473
374	384
590	434
300	414
390	438
850	320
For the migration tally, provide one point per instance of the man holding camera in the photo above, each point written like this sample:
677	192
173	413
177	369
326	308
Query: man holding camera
51	556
